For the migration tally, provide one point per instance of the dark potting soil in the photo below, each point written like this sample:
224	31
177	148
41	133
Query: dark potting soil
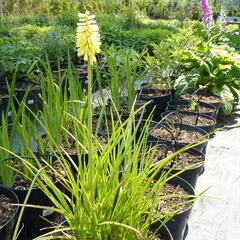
205	98
6	209
155	93
23	183
173	199
181	161
180	135
193	120
200	109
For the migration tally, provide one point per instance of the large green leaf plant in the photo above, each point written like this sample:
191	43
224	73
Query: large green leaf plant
214	67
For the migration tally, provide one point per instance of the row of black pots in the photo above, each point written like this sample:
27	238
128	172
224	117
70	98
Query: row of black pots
164	100
179	228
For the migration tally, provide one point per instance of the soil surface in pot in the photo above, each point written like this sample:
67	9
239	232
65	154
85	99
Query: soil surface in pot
23	183
199	108
154	93
193	120
205	98
173	199
181	161
180	135
6	209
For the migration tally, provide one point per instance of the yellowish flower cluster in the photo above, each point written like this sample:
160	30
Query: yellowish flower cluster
88	37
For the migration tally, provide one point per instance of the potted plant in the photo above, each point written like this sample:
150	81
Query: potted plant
202	121
191	105
178	133
187	164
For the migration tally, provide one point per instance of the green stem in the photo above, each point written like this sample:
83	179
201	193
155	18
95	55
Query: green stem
90	142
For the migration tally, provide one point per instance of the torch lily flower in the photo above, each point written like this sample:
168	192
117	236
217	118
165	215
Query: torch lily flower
88	38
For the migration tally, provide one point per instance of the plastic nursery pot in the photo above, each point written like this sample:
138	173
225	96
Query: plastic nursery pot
189	175
6	231
147	111
163	231
33	100
169	127
160	99
178	224
204	97
199	120
4	98
180	104
35	220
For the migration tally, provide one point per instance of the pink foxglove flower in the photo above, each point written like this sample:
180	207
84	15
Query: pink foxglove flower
207	14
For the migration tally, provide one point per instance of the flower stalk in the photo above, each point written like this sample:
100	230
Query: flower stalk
88	45
207	15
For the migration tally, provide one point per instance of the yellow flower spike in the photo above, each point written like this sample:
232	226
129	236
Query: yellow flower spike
88	37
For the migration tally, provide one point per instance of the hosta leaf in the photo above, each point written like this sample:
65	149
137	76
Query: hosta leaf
227	100
236	93
185	84
216	91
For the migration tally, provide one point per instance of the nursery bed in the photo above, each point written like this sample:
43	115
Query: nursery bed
216	217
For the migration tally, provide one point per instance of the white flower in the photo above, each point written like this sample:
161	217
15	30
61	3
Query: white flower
88	37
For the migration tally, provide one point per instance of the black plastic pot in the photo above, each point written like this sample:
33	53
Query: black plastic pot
33	100
3	103
33	219
4	107
159	102
178	104
189	175
6	231
201	147
208	128
163	231
200	96
177	225
147	110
